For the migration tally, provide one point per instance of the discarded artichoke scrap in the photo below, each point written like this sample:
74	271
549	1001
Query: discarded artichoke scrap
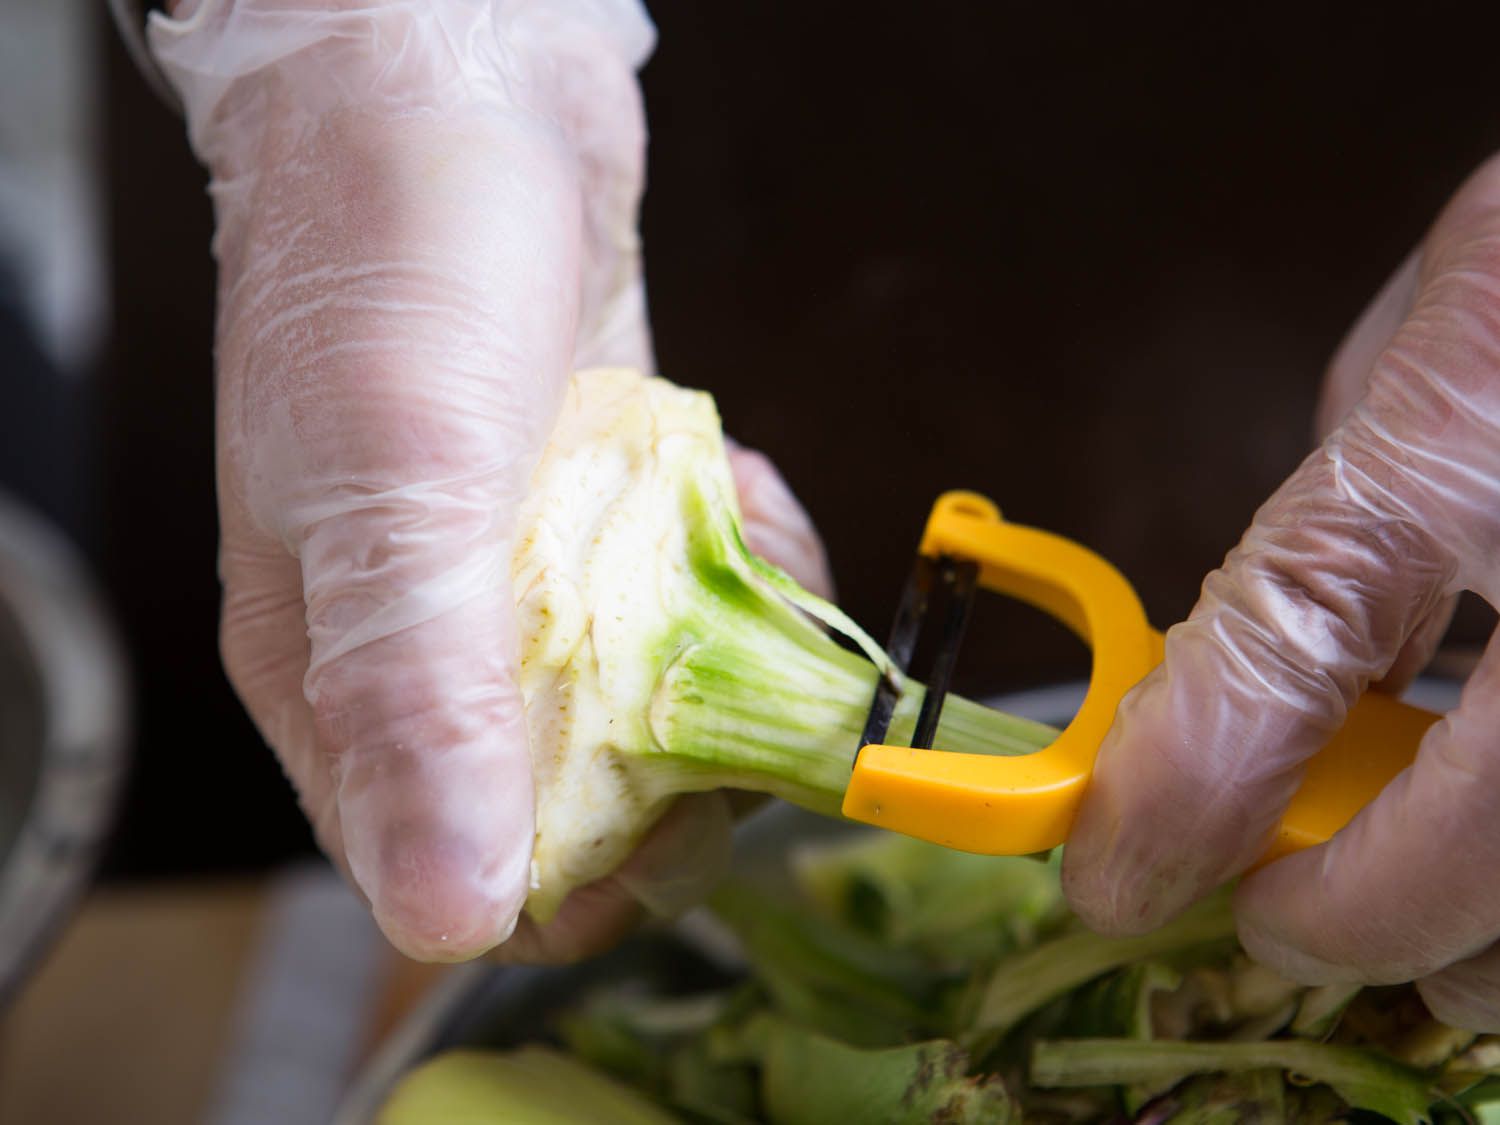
912	985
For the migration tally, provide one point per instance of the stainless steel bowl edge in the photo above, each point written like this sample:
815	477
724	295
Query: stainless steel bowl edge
62	658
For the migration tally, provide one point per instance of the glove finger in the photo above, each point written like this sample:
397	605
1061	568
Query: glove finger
1467	994
1349	373
1344	385
426	731
1396	512
387	448
1408	888
777	527
1312	605
414	648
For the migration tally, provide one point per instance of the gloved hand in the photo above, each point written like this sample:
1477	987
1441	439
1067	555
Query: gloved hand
426	220
1346	578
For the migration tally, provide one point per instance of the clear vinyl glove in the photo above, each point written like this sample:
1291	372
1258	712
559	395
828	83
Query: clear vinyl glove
1345	579
426	220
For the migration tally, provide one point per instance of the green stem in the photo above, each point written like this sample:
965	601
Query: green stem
1362	1078
1020	985
756	694
759	697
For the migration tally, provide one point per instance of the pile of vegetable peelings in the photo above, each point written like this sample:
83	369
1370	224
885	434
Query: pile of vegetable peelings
901	982
912	984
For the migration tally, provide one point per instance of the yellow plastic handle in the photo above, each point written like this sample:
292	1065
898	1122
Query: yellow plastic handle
1018	805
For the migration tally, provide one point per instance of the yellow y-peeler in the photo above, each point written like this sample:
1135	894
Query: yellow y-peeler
1021	805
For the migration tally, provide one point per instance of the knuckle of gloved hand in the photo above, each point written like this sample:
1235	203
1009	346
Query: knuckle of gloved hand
1423	445
1421	454
1446	357
437	687
1443	366
1307	599
394	520
406	619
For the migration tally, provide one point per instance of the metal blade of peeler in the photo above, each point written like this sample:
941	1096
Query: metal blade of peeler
961	579
902	643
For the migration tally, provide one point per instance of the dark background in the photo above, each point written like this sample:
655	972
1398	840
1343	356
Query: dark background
1089	261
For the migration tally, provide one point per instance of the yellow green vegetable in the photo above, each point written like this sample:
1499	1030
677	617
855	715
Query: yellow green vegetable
527	1086
660	657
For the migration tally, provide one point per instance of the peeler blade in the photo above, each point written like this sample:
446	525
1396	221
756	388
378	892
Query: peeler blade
957	578
902	643
960	578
